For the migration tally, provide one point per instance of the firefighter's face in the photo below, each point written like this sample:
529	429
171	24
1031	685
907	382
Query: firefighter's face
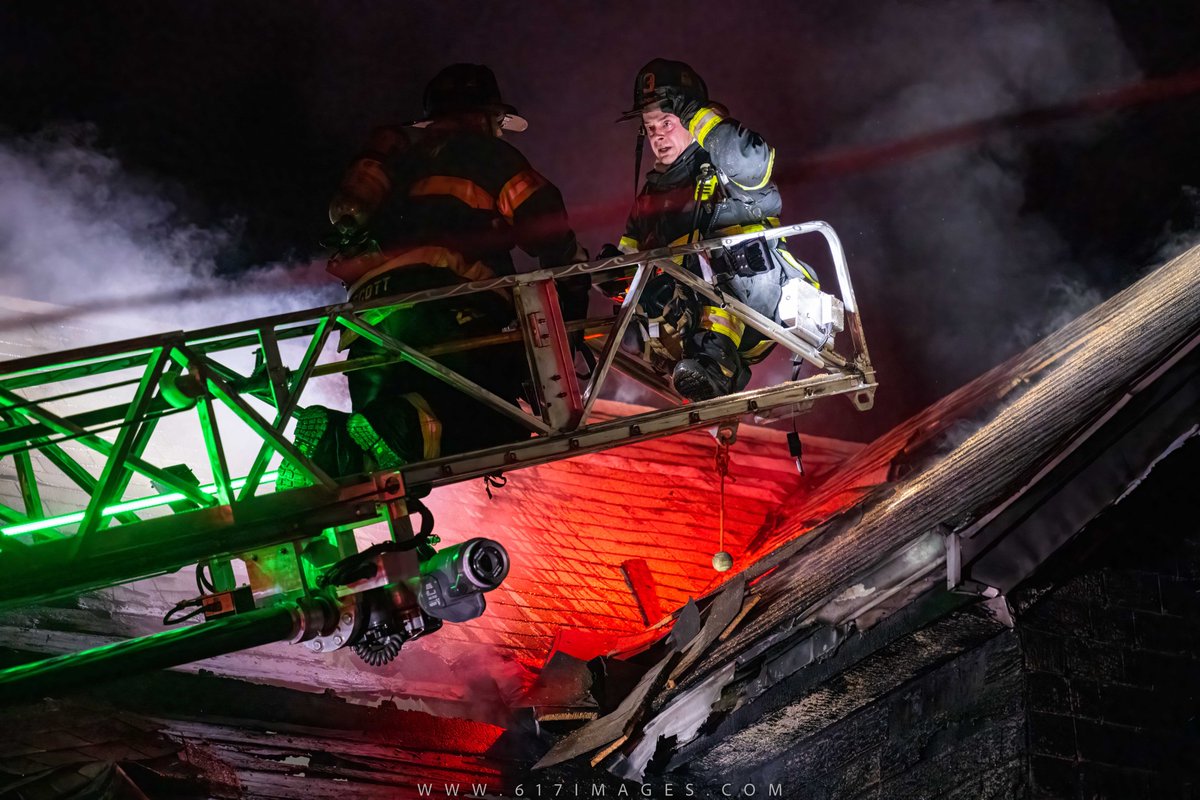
667	135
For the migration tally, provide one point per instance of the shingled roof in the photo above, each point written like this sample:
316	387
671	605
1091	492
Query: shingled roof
570	526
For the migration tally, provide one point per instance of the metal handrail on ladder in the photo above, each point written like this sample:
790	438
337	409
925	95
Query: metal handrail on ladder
43	555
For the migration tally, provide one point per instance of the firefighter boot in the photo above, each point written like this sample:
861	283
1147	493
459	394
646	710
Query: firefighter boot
397	431
321	436
712	368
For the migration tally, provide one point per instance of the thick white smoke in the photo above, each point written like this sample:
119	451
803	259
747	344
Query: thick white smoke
79	230
954	273
110	256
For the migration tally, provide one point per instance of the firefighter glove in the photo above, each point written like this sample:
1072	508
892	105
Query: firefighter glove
617	284
683	105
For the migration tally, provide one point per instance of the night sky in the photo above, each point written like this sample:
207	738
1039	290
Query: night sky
148	145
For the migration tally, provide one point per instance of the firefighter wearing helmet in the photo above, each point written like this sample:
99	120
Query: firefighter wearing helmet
439	201
711	176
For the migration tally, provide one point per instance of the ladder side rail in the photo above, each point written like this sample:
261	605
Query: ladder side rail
223	381
46	375
19	373
616	432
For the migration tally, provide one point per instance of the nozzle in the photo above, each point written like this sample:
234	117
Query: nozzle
454	580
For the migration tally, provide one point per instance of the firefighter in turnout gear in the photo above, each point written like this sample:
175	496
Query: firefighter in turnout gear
440	201
711	177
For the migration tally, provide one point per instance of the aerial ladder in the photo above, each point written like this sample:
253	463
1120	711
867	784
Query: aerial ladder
308	582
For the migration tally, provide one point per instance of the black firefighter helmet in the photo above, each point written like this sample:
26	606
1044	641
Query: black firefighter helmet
657	78
461	88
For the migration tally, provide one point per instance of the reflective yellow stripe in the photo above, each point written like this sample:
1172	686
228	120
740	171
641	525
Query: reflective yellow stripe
519	189
698	119
704	189
705	120
716	327
461	189
758	351
733	230
766	177
808	276
627	245
721	321
717	311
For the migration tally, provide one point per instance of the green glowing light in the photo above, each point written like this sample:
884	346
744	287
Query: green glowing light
140	504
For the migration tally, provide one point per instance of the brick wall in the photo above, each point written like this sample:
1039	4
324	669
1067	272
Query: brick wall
1111	641
955	732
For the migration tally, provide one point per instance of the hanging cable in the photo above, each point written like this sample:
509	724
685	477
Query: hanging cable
204	583
721	535
494	481
171	618
722	561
